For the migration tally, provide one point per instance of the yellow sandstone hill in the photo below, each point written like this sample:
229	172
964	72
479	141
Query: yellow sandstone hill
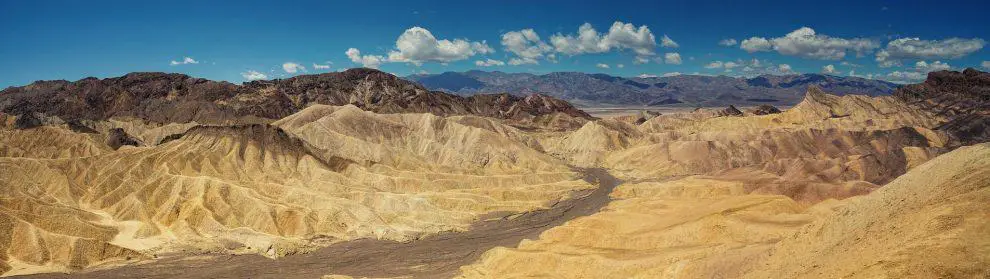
928	223
825	147
339	173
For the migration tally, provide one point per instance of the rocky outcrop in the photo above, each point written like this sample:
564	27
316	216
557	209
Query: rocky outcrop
177	98
962	97
764	110
118	138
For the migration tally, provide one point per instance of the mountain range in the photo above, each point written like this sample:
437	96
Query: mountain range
178	98
586	89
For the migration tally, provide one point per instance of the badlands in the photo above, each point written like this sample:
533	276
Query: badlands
361	174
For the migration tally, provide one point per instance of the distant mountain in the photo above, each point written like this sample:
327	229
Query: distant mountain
688	90
178	98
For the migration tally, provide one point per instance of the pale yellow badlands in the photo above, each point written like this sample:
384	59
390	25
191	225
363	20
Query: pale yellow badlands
755	197
928	223
67	201
814	192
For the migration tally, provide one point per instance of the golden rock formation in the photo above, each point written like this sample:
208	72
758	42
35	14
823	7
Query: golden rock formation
927	223
339	173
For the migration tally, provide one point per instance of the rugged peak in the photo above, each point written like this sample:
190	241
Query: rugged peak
729	111
177	98
764	110
963	97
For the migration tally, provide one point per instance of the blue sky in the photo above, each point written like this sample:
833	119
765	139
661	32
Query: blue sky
235	41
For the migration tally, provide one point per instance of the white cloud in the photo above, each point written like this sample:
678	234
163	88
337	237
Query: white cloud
722	65
646	76
755	44
784	68
916	48
672	58
488	63
525	44
829	69
253	75
925	67
602	65
852	73
417	46
804	42
370	61
185	60
755	62
292	68
620	66
727	42
672	74
904	77
667	42
620	36
986	65
714	65
747	69
641	60
322	67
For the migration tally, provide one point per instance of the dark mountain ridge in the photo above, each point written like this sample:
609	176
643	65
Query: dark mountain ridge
962	97
688	90
178	98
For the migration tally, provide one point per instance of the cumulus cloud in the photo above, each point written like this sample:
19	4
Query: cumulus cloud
829	69
805	42
727	42
622	36
784	68
253	75
322	67
672	74
925	67
667	42
646	76
526	45
488	63
620	66
672	58
641	60
904	77
714	65
755	44
853	73
417	46
916	48
916	74
292	68
185	60
370	61
602	65
722	65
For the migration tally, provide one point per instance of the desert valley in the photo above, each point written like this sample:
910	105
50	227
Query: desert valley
364	174
627	139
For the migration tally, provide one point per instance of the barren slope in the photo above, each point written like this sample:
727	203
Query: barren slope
258	189
930	222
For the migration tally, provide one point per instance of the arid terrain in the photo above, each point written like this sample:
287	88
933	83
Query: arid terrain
360	174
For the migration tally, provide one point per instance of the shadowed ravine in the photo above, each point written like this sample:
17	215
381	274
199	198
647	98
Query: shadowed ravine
438	256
